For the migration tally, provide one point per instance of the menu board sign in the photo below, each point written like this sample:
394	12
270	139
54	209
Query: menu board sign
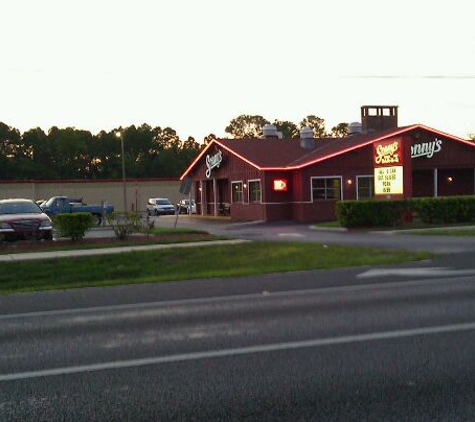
388	180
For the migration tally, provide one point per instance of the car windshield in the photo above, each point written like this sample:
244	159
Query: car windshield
49	202
19	208
163	202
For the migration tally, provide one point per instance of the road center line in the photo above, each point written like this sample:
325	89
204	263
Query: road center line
123	364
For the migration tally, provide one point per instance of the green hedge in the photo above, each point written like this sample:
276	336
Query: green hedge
74	225
452	209
372	213
375	213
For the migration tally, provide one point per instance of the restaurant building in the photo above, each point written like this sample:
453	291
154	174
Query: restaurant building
273	179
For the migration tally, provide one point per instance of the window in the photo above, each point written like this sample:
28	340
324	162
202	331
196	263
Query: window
255	193
236	188
326	188
365	187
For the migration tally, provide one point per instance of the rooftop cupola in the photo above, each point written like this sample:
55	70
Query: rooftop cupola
377	118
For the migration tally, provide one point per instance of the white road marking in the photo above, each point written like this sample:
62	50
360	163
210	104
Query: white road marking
415	272
186	302
157	360
290	235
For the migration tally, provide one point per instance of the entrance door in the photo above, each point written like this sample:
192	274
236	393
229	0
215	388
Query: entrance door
223	198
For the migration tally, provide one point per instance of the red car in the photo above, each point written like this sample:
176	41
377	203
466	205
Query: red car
23	219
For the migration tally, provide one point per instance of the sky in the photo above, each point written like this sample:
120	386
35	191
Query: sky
194	65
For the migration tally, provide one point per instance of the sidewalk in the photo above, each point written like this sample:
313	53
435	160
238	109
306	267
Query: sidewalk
30	256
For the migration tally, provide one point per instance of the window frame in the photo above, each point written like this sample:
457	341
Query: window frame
259	201
235	182
312	178
371	187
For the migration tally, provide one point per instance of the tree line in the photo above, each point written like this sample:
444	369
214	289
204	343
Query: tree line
250	126
71	153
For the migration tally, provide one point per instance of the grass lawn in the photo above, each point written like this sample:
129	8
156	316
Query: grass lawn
189	263
416	227
447	231
158	236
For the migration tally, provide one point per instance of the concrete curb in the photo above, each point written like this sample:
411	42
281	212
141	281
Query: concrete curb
31	256
329	229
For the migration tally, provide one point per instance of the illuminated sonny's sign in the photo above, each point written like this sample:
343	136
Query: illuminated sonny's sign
388	168
387	153
426	149
213	161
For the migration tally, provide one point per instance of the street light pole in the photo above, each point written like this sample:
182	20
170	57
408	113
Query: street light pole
124	184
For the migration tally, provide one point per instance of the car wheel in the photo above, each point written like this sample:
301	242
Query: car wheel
48	236
97	219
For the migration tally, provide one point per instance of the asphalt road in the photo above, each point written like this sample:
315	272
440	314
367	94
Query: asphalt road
312	346
387	343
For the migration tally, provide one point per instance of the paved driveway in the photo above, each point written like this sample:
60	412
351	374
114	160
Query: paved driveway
290	231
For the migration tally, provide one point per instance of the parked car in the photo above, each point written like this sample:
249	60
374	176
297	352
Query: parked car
63	204
186	206
160	206
24	219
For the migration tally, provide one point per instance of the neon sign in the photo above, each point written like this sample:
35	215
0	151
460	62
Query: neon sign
279	185
426	149
388	168
387	153
213	161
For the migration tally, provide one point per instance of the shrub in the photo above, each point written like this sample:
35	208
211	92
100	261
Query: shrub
445	210
453	209
372	213
73	225
125	223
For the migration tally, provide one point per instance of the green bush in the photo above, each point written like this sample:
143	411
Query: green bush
73	225
452	209
125	223
373	213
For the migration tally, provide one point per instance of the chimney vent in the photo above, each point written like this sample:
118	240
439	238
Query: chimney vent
306	138
355	128
269	131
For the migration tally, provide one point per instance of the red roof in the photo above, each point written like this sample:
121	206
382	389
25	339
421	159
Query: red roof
287	154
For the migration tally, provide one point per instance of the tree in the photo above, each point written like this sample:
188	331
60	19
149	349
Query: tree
10	139
316	124
70	152
209	138
36	155
471	136
246	126
288	129
340	130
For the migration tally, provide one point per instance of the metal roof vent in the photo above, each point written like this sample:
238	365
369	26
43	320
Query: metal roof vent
306	137
355	128
269	131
